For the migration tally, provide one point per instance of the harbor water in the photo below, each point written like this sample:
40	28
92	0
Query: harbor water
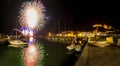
54	54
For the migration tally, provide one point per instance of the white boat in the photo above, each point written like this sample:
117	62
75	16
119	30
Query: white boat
16	39
74	47
17	42
77	47
71	47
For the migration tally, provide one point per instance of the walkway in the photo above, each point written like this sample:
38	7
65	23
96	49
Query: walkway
97	56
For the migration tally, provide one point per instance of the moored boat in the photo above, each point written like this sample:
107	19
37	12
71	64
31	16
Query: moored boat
17	42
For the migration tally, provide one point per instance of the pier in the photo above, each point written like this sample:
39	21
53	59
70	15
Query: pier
97	56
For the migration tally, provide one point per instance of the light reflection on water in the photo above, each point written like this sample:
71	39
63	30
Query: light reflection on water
52	54
33	55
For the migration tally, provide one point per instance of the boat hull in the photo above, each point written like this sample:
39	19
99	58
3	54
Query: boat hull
17	42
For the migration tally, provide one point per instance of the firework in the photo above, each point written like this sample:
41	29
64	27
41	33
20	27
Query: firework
27	32
32	15
31	40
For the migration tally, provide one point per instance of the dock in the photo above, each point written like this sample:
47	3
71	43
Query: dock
99	56
82	60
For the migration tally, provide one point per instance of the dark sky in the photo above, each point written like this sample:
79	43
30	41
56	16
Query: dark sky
71	14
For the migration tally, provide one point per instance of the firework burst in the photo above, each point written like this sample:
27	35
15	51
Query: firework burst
32	15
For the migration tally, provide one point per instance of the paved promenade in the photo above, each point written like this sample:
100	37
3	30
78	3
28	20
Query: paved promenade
99	56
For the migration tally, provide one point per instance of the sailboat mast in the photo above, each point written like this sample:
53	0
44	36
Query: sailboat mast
16	34
16	30
58	27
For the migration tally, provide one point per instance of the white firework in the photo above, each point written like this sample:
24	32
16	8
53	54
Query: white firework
32	15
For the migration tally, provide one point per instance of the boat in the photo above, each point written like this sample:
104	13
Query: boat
78	48
71	47
16	40
3	39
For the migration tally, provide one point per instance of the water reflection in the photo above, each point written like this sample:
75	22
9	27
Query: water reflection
48	54
33	54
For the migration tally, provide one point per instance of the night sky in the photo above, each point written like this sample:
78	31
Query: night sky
69	14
